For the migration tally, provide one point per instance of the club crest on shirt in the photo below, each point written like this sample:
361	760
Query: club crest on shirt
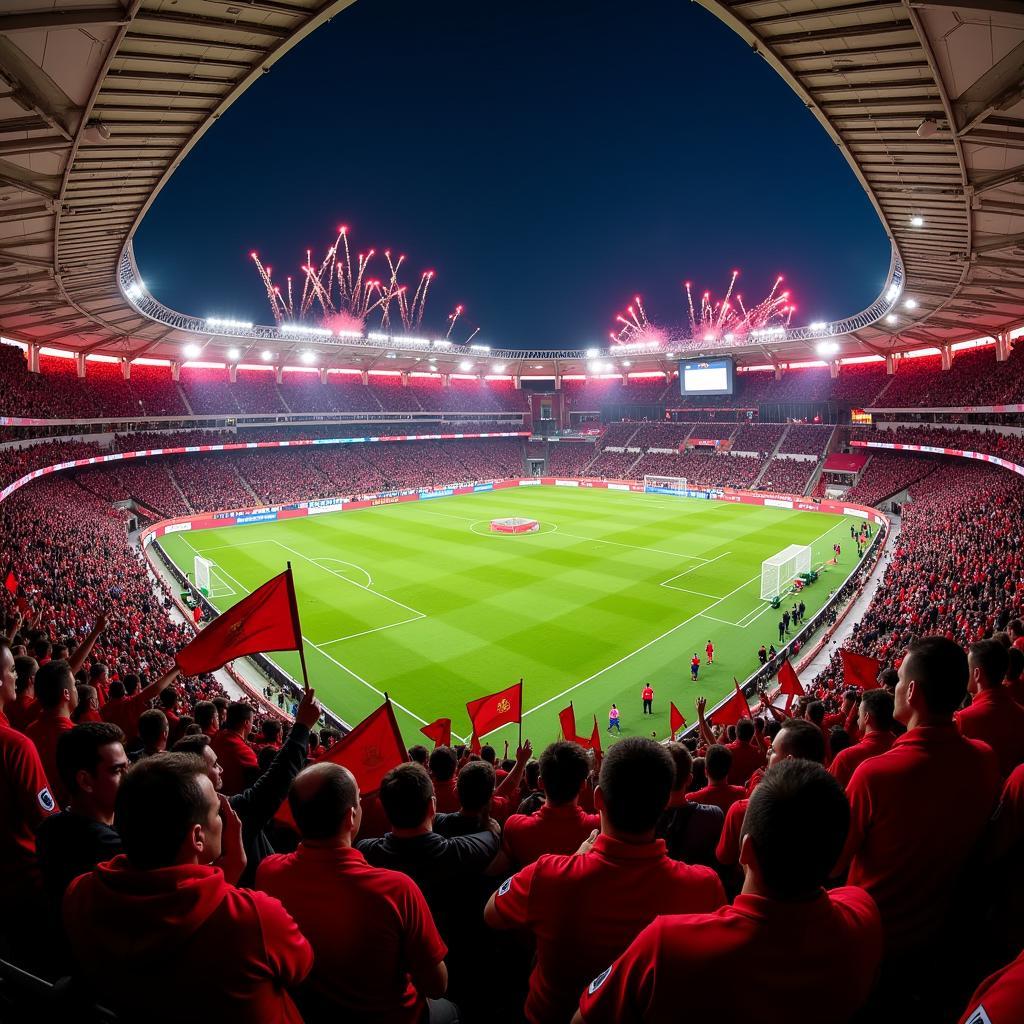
505	886
979	1017
599	980
46	800
503	705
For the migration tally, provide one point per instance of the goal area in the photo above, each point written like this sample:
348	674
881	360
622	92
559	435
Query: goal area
209	581
779	571
665	484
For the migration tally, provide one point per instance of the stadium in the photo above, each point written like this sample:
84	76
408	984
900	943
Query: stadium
330	638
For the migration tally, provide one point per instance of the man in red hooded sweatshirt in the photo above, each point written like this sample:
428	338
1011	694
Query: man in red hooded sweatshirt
165	902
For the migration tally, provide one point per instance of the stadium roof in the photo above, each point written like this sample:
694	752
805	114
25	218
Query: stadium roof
100	101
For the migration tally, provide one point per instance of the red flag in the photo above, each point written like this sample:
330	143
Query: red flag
733	709
263	621
567	721
789	682
439	731
676	719
859	669
474	744
595	739
197	614
369	752
11	583
496	709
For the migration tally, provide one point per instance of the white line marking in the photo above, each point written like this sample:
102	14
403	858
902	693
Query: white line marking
683	590
376	629
341	561
635	547
693	568
724	622
650	643
376	593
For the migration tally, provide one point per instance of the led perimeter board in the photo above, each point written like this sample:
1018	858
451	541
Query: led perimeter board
706	376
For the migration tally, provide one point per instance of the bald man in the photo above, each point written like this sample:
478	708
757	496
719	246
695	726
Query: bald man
383	959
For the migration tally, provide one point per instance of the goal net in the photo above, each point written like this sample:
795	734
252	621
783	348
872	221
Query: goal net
210	582
779	571
665	484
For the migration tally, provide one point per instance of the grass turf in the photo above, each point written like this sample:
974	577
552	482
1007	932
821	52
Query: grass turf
617	589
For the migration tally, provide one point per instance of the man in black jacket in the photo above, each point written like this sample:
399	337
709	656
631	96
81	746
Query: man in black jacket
257	804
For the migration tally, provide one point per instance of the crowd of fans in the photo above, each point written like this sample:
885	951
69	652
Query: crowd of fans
888	474
974	378
788	476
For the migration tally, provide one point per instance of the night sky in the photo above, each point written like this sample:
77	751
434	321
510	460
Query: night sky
549	161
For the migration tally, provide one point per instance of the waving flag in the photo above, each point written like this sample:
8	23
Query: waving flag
676	720
859	669
266	620
440	731
496	709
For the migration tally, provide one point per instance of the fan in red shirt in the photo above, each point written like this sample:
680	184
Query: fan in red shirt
169	900
786	943
382	958
874	722
907	847
237	759
746	757
25	801
797	739
585	909
58	697
560	825
718	764
443	767
24	708
127	702
999	998
993	716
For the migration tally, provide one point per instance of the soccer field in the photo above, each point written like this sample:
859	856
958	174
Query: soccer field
617	589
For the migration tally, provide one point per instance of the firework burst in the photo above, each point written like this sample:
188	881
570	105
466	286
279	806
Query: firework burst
710	319
344	294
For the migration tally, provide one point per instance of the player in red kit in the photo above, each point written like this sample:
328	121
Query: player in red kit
710	652
648	699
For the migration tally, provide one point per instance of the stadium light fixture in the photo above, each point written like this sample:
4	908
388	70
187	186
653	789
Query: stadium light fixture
591	353
233	354
192	351
818	325
266	356
827	348
465	366
910	304
626	362
498	368
917	222
308	357
891	318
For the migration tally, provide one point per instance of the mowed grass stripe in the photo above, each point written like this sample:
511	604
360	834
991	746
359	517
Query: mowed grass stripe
556	607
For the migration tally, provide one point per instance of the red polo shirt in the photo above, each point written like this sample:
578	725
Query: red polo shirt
551	829
365	955
999	997
916	814
721	794
236	758
746	759
846	761
584	911
995	718
727	853
793	958
447	796
240	951
44	732
124	712
23	711
25	800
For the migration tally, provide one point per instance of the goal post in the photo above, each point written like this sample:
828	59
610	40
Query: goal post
779	571
209	582
665	484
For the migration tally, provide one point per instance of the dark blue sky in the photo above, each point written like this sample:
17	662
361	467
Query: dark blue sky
548	160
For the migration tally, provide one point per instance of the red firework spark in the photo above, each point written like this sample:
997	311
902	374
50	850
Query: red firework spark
342	293
710	319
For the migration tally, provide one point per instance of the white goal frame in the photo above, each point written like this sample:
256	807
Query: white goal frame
675	484
779	571
209	582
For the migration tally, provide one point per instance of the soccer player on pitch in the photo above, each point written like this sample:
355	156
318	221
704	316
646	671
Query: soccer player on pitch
710	652
694	666
648	699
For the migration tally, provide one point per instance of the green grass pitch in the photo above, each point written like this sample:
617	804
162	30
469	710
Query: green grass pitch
617	589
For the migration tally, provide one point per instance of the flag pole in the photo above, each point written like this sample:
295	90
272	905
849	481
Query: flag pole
521	711
297	627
